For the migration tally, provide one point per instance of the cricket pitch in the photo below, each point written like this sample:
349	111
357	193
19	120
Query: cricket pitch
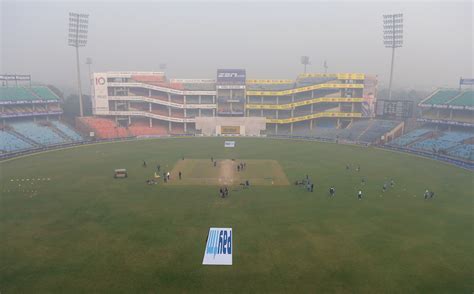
225	172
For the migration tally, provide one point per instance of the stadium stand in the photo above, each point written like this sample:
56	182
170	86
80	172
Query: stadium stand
199	86
308	81
464	99
362	131
376	130
11	143
44	93
40	134
16	94
26	94
103	128
452	143
68	131
145	130
441	97
463	151
410	137
270	87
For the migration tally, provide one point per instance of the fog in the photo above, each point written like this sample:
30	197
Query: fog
265	38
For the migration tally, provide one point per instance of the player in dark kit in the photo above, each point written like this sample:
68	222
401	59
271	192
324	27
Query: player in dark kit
179	175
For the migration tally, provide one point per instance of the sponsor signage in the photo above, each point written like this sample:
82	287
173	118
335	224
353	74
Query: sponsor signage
219	247
446	122
229	144
228	87
231	76
193	81
228	130
15	77
270	82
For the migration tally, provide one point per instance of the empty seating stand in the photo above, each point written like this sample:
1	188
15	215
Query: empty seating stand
38	133
455	144
67	131
410	137
11	143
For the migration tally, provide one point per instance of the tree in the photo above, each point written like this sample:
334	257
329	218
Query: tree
71	106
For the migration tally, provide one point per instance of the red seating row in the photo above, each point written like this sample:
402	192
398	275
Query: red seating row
107	129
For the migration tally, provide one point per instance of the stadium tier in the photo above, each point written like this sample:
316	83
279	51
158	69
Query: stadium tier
21	135
10	143
150	98
35	101
448	126
30	119
451	143
363	131
449	107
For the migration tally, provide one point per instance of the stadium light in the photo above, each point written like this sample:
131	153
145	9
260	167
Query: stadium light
392	38
305	62
77	37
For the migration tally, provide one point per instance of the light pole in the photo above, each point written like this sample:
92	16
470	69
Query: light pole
392	38
305	62
77	37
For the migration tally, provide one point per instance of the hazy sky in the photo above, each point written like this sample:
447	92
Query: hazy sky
266	38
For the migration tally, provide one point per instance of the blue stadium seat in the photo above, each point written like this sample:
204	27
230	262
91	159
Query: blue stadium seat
67	130
11	143
410	137
463	151
40	134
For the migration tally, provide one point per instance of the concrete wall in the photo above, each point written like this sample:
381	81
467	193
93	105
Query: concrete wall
249	126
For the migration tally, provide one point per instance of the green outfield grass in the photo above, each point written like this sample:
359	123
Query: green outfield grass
83	231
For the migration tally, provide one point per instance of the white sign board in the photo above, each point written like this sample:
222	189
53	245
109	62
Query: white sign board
218	249
229	144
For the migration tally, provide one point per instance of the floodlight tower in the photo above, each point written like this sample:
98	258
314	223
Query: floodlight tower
78	25
305	62
392	38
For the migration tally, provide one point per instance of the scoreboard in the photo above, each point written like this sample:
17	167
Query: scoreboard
394	108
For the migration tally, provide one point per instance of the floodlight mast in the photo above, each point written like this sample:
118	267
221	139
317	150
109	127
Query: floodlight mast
392	38
78	26
305	62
